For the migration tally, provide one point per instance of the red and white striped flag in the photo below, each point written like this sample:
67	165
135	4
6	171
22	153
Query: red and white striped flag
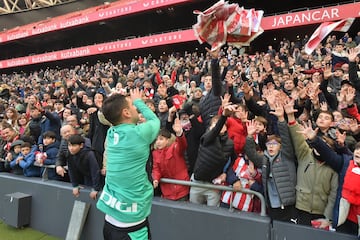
224	22
324	29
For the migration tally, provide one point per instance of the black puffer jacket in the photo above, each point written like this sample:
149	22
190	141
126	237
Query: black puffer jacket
214	152
210	103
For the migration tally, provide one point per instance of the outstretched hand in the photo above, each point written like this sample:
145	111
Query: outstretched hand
279	111
246	88
352	53
177	127
135	93
229	109
251	127
327	71
308	131
225	100
289	107
213	53
340	137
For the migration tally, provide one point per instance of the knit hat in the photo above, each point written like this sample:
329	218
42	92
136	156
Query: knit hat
20	108
198	89
16	143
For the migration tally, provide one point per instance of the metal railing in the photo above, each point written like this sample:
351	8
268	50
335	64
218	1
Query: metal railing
219	187
13	7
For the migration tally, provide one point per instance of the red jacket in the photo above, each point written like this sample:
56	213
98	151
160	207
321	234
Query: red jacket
170	163
237	132
353	111
351	190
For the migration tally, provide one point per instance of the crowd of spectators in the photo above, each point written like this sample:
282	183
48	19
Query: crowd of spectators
280	122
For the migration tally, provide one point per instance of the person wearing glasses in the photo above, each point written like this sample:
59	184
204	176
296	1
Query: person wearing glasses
277	164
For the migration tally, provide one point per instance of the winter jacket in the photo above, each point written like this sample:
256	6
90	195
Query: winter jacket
50	122
63	153
15	169
193	139
353	111
83	169
170	163
51	152
354	79
237	132
214	152
339	163
317	183
351	193
193	134
210	103
27	164
97	132
280	168
34	127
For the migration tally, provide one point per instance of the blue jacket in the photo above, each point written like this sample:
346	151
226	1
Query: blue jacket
51	153
50	122
27	164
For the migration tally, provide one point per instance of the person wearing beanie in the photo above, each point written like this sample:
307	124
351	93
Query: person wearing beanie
15	150
25	160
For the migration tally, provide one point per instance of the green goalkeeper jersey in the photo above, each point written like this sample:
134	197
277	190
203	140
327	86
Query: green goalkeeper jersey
127	194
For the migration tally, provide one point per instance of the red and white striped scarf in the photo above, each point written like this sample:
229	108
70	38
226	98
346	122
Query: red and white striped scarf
224	22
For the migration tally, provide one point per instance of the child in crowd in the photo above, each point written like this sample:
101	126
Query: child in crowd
148	89
83	167
15	150
260	136
47	155
317	183
215	151
169	162
150	104
25	160
162	112
193	130
242	175
236	125
277	164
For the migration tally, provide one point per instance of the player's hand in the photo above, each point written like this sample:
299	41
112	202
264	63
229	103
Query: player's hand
76	192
